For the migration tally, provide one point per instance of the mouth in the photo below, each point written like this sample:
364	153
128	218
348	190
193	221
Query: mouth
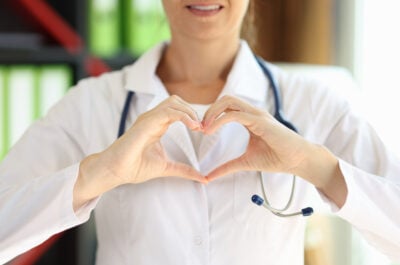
204	10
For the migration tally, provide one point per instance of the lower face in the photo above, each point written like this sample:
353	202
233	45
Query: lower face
202	19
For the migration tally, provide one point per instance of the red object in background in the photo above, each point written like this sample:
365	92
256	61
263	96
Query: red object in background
95	67
34	254
53	24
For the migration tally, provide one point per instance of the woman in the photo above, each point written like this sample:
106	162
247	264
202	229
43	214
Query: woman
175	188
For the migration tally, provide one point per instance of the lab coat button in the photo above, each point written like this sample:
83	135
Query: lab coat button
198	240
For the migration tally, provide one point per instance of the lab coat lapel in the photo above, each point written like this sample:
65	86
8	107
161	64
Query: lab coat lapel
178	133
207	144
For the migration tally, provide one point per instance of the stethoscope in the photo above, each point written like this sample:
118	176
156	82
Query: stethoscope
279	116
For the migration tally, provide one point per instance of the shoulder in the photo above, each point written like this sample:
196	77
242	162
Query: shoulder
109	84
316	97
318	78
92	96
318	85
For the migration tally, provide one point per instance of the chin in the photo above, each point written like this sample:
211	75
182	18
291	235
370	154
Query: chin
212	35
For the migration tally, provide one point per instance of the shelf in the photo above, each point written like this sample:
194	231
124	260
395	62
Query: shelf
120	60
39	56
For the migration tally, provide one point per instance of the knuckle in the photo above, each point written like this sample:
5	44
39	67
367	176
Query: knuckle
227	98
174	98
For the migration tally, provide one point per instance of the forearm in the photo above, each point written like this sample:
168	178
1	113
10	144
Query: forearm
321	168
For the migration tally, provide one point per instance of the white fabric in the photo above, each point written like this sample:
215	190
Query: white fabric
195	136
174	221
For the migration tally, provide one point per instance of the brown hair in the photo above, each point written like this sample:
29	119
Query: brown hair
249	32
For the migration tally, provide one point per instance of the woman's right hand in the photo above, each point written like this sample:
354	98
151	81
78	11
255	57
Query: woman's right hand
137	156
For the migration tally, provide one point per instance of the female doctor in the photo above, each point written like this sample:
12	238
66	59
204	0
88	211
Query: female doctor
175	188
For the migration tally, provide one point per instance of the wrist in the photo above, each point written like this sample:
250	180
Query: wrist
92	180
317	165
321	168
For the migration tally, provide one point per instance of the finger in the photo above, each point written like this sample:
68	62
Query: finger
172	115
154	123
227	104
250	121
178	103
184	171
229	167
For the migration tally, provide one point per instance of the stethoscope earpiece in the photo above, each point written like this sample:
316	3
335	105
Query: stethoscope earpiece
307	211
256	199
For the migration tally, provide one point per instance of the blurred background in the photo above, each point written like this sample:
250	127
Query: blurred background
46	46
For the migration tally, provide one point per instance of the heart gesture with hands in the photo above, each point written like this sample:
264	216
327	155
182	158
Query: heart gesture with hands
138	155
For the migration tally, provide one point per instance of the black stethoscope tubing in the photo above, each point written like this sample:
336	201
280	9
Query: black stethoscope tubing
278	114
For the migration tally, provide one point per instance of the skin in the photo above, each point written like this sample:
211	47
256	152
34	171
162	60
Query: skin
194	68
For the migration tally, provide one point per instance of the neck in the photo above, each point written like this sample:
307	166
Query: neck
200	63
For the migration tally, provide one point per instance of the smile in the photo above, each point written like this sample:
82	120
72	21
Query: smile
205	7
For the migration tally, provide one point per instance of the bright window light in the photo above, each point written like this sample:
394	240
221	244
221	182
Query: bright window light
378	73
379	67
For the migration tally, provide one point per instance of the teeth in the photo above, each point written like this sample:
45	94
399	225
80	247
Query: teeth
206	8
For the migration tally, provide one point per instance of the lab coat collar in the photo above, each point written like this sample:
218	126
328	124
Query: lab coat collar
245	80
141	76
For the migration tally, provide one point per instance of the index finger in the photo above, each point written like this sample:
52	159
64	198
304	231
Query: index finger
227	104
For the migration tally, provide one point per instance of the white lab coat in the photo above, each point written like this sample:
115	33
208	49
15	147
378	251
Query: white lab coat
174	221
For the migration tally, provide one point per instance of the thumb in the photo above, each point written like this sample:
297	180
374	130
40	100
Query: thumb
237	164
184	171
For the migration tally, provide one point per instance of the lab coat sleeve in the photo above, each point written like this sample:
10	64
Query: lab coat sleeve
372	175
38	175
36	210
372	206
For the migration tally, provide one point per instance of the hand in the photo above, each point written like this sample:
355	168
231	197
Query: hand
272	147
138	155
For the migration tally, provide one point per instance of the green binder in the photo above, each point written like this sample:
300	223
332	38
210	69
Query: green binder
104	27
21	95
145	24
3	145
53	83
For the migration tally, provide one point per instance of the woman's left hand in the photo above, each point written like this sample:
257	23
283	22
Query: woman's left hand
275	148
272	147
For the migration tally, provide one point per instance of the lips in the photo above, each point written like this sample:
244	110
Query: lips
204	9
